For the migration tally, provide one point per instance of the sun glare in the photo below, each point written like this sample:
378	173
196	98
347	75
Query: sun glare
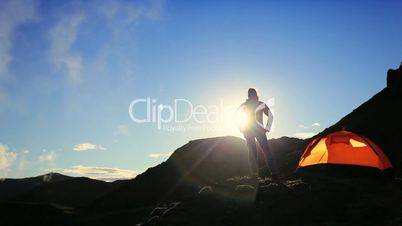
241	119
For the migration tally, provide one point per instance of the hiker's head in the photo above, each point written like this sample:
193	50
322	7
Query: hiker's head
252	94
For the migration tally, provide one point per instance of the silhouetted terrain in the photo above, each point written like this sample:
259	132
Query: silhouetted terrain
75	192
205	182
12	187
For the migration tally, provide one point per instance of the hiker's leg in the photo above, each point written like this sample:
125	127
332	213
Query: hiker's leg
269	156
252	154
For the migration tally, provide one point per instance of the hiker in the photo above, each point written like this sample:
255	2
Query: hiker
254	129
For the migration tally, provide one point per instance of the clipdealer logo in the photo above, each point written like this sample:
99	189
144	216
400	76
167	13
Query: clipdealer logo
161	114
181	114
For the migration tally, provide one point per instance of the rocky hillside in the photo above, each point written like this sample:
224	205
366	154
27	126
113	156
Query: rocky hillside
380	119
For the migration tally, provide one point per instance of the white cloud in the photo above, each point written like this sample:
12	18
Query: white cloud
12	14
304	135
88	146
63	37
22	165
123	130
120	130
159	155
23	162
131	12
7	158
47	157
100	173
316	124
121	19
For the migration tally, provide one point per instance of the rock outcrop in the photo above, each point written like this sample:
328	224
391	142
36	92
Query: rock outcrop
394	80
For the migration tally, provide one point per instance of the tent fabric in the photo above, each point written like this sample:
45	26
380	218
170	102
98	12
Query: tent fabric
345	148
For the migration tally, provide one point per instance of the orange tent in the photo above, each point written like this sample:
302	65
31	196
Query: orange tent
344	148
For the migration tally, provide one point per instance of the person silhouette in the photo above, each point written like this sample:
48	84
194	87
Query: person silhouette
253	130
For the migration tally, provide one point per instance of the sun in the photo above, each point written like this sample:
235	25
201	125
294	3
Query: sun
234	121
241	119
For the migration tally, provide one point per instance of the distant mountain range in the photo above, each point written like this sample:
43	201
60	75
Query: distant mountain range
55	199
55	188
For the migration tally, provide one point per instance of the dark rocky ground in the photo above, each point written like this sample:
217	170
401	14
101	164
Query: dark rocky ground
240	201
245	201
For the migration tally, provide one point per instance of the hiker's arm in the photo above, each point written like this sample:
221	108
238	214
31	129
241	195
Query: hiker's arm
270	120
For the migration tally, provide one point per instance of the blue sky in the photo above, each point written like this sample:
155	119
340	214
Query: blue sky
70	69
